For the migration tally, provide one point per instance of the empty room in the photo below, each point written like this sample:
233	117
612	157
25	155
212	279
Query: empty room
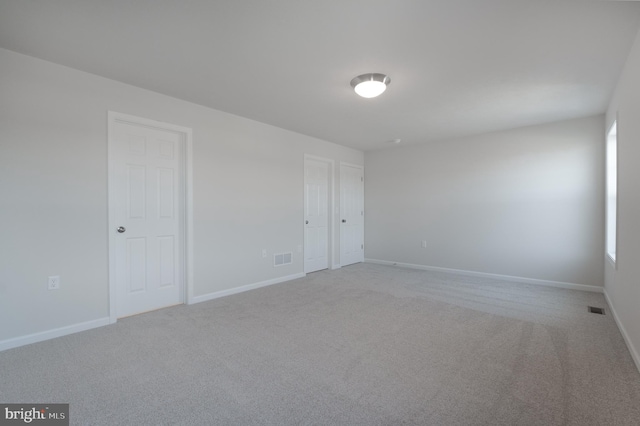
319	213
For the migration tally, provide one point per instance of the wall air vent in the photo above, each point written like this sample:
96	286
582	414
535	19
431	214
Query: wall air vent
595	310
280	259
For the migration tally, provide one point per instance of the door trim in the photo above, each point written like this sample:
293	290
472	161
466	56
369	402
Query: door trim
114	118
331	207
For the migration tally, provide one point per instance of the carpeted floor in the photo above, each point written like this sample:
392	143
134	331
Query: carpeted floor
363	345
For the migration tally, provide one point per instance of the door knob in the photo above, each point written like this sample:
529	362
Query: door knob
306	222
344	220
121	229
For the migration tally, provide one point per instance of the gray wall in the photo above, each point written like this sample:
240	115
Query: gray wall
525	203
622	285
248	192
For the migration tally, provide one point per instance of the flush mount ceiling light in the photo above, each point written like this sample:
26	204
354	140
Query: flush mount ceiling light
370	85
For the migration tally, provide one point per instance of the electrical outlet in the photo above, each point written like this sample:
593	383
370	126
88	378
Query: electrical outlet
264	252
424	243
54	282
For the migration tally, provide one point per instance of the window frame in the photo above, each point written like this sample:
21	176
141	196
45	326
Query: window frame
611	190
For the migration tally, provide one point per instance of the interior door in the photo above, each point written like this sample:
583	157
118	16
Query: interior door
147	203
351	214
316	215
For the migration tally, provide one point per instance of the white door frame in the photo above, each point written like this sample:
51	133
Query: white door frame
186	133
361	167
331	203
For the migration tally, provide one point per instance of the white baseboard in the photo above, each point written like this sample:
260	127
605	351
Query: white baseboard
75	328
632	349
558	284
51	334
229	292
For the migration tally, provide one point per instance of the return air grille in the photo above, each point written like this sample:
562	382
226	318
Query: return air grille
280	259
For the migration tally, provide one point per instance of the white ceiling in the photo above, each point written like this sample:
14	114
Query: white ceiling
456	67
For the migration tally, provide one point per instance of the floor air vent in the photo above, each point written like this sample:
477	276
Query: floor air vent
282	259
595	310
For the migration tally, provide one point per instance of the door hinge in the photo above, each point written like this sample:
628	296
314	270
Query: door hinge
361	179
362	246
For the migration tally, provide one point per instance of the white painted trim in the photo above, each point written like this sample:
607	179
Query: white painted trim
112	118
336	266
357	166
523	280
611	261
235	290
52	334
189	252
635	355
333	219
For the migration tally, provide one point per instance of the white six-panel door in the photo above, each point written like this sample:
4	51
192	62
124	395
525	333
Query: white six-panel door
316	215
147	199
351	214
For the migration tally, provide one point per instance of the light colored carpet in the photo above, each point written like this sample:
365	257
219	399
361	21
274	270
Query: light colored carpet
363	345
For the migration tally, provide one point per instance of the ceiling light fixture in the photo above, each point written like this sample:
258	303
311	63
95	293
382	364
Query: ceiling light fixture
370	85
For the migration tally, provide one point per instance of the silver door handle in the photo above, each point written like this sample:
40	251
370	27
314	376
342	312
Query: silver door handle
344	220
306	222
121	229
